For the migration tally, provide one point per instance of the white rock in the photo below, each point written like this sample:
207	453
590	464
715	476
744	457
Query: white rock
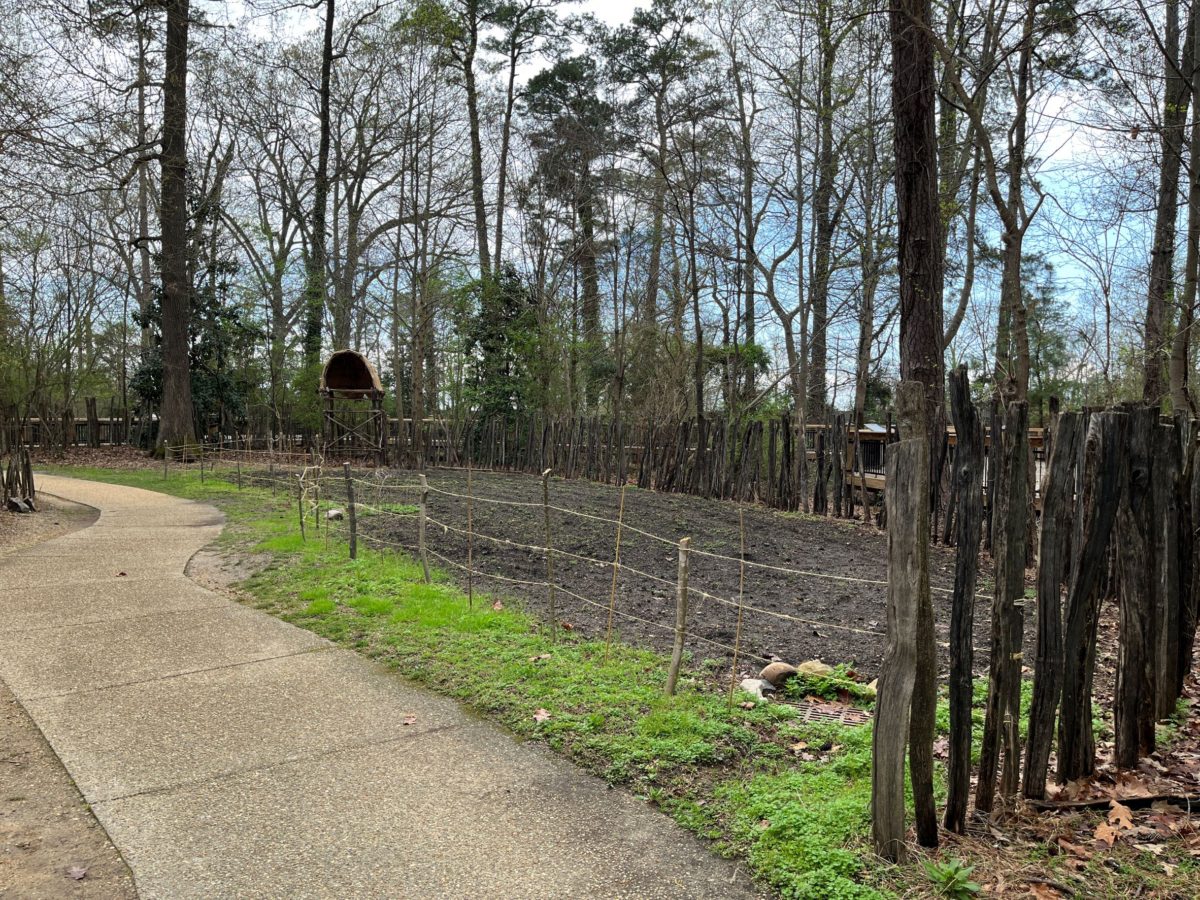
335	515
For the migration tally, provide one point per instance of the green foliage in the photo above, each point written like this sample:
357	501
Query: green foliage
499	329
952	879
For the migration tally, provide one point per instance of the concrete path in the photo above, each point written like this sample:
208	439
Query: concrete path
229	754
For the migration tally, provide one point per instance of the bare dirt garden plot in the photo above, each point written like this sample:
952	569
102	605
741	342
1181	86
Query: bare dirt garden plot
835	613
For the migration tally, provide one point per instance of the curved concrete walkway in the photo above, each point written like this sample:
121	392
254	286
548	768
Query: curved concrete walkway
229	754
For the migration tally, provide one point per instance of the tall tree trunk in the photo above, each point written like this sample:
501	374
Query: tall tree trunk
591	293
176	419
315	263
824	227
468	62
920	225
1161	287
1179	368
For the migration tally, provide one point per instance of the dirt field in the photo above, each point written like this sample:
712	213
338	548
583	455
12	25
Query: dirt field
50	844
844	619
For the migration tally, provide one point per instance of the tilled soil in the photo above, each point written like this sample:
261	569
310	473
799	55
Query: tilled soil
835	612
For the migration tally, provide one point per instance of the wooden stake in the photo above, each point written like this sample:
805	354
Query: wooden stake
681	604
550	590
239	471
423	512
612	594
271	472
350	512
470	544
300	503
737	635
166	460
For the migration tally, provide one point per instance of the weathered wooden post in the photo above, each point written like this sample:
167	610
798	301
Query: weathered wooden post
907	500
681	605
737	634
1095	514
239	470
166	460
200	457
422	514
968	518
350	511
1133	710
550	587
470	543
1058	511
1009	527
271	475
616	568
300	503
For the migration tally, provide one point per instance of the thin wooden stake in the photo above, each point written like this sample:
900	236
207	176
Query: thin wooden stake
166	460
200	456
737	635
550	590
612	594
239	471
271	471
423	512
300	503
350	512
681	604
470	544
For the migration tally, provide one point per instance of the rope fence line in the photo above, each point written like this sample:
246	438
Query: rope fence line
382	483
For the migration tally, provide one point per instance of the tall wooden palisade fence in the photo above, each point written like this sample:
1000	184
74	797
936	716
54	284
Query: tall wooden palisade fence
730	459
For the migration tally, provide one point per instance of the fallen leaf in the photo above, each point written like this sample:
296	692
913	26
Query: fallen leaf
497	605
798	746
567	626
540	656
409	720
1074	849
1121	816
1106	836
1042	891
78	872
541	715
749	704
121	575
1156	849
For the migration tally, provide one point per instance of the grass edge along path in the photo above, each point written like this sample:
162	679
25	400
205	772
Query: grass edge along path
790	798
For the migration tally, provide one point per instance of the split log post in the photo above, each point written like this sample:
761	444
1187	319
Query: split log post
350	511
907	501
239	470
968	518
681	605
551	595
1167	621
1187	548
271	475
1133	712
200	458
1058	512
166	460
422	517
1009	525
1096	507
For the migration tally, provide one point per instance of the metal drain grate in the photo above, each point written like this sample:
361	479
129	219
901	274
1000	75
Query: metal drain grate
830	712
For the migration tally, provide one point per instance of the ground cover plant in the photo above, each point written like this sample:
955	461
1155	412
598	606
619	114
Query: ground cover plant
791	798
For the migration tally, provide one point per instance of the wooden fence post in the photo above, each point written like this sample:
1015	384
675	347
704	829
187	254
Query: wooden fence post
422	513
200	457
1009	526
470	543
350	511
1058	488
616	568
737	634
300	503
550	587
1133	712
968	518
239	471
907	501
271	475
166	460
1095	513
681	605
